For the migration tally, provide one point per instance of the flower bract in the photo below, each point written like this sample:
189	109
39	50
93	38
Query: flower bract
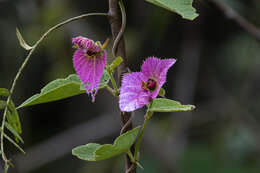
89	61
139	88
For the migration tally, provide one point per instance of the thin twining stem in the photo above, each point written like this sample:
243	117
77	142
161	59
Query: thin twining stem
126	125
138	142
122	29
110	90
131	169
147	116
113	81
25	63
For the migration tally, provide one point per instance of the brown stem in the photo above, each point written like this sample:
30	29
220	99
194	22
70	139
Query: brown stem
116	29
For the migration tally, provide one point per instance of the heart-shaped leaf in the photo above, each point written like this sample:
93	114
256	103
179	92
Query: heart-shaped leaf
60	89
56	90
167	105
97	152
181	7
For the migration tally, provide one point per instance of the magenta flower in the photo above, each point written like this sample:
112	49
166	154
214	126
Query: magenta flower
89	62
139	88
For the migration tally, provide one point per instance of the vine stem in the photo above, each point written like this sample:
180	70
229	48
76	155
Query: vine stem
110	90
25	63
139	139
113	81
122	29
117	29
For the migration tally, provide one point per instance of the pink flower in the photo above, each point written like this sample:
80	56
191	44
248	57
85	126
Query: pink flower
139	88
89	62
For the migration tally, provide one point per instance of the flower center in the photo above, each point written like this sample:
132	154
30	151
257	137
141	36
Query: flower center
150	85
90	53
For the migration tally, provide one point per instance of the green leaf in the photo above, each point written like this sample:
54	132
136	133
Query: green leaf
86	152
4	92
14	132
13	119
97	152
116	62
167	105
104	80
14	143
181	7
21	40
121	144
2	104
12	116
60	89
56	90
162	92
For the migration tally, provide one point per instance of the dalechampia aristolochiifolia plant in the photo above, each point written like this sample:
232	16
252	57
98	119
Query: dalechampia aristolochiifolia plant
93	73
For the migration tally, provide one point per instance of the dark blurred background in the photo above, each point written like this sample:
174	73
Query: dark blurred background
217	70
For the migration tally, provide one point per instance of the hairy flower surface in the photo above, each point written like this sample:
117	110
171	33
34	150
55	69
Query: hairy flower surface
139	88
89	61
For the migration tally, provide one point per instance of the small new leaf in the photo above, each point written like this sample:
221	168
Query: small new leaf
14	143
13	119
116	62
181	7
162	92
97	152
167	105
2	104
14	132
4	92
21	40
